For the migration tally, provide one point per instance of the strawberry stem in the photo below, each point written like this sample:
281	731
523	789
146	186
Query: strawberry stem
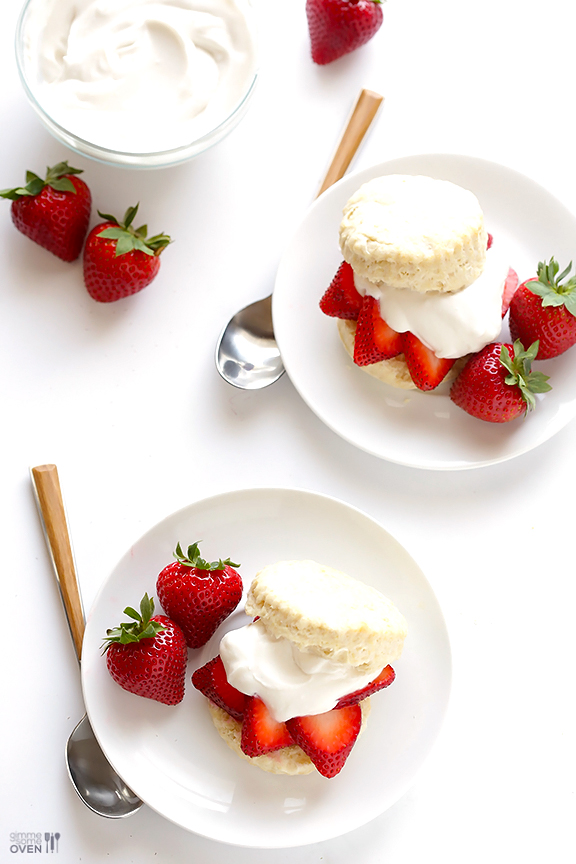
192	559
550	286
142	627
57	178
520	372
129	239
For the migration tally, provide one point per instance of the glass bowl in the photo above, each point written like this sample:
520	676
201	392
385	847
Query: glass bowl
183	140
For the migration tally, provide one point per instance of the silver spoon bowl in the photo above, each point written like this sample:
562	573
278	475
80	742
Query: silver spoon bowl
93	778
247	354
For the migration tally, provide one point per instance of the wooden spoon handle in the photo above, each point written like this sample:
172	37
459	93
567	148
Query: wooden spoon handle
362	116
51	508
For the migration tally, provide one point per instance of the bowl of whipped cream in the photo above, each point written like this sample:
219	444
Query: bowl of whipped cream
138	83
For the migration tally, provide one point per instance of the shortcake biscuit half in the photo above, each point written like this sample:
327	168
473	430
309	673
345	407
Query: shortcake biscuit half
289	760
414	232
327	613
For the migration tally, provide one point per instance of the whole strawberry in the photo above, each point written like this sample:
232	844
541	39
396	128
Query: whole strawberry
497	384
120	260
53	212
338	27
198	595
148	655
544	308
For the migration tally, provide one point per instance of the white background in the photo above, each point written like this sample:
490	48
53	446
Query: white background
126	401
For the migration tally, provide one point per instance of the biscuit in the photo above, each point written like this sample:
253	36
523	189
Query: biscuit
414	232
289	760
327	613
394	371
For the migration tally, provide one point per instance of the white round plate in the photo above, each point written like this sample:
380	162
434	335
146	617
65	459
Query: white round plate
422	430
172	756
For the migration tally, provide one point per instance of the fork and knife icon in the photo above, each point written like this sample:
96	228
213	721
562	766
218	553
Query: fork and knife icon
51	840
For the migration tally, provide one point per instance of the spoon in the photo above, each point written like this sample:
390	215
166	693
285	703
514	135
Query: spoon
247	355
92	776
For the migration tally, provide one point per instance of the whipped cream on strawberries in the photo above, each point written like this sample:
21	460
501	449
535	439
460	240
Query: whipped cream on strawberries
450	324
291	682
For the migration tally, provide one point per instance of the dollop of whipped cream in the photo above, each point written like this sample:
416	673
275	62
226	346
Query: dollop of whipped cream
139	76
291	682
450	324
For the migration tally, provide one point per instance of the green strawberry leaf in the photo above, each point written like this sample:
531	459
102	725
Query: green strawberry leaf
30	177
158	242
129	215
129	239
60	170
62	184
108	217
551	288
520	373
192	558
55	178
141	628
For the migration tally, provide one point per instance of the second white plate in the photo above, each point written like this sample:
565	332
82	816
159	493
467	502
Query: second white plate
422	430
172	756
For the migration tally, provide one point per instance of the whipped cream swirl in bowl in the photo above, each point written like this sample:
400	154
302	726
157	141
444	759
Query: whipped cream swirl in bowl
142	83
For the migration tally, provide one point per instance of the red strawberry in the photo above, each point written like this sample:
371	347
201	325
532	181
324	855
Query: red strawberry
341	299
211	680
338	27
54	212
261	733
510	288
374	339
426	369
198	595
120	260
544	309
497	384
148	656
384	679
328	738
490	241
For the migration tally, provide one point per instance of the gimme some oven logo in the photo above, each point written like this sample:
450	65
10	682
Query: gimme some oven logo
34	841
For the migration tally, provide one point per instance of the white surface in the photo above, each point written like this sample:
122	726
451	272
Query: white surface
173	758
126	401
423	430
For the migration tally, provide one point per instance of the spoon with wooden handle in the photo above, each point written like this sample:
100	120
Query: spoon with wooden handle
247	354
92	776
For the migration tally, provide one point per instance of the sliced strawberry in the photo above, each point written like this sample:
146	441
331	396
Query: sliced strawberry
384	679
510	286
261	733
341	299
328	738
426	369
490	241
374	340
211	680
